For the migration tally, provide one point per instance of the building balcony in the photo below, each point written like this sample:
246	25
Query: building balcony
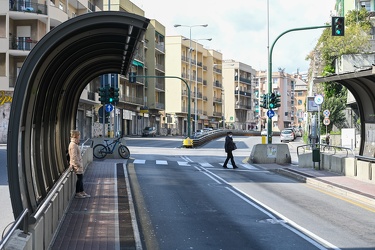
243	80
24	44
241	106
217	99
160	47
242	93
26	6
217	114
217	84
132	100
160	67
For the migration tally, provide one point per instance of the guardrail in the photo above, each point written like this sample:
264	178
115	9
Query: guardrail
324	148
42	208
22	217
365	158
214	134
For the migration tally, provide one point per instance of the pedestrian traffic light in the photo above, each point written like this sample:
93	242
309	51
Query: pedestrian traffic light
272	101
263	101
104	94
338	26
132	77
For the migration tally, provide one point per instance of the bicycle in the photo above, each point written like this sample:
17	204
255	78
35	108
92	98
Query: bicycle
101	150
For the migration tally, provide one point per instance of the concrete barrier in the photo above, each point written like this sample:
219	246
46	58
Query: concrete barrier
270	153
363	170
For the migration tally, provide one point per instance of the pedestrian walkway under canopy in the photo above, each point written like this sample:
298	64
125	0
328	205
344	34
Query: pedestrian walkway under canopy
47	94
362	85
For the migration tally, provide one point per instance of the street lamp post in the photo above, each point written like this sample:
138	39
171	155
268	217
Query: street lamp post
189	54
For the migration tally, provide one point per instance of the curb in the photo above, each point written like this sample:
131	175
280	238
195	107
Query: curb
328	186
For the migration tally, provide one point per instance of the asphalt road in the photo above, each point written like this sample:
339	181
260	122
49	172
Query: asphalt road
186	200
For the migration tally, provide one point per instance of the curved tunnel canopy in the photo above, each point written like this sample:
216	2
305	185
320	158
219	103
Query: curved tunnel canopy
47	93
362	85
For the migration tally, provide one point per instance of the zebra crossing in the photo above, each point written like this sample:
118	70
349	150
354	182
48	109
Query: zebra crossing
191	163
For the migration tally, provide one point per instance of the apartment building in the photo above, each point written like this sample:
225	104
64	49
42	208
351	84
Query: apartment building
199	69
142	103
293	93
23	24
241	95
300	96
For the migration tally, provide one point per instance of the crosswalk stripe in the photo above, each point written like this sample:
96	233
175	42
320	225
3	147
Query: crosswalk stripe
206	165
248	166
136	161
183	163
159	162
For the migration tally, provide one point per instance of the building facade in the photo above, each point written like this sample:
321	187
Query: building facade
241	95
23	24
201	76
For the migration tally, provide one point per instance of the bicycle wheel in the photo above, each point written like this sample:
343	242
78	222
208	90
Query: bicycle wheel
124	152
100	151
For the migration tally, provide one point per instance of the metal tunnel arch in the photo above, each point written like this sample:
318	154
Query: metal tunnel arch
362	86
47	93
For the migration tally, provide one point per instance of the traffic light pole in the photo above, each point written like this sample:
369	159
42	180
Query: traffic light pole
269	124
187	85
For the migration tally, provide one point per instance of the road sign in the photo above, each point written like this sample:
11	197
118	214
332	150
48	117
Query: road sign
326	113
270	113
318	99
108	107
326	121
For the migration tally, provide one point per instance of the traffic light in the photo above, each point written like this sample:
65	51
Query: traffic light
132	77
111	97
338	26
263	101
115	95
277	100
104	94
272	101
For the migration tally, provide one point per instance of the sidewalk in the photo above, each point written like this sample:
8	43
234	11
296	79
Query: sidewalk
102	221
348	187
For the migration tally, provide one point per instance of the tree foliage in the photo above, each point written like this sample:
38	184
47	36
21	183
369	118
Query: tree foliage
329	48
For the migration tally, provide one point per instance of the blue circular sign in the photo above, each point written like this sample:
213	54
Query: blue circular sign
270	113
108	107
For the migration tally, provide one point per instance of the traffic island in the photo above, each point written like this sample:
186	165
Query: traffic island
270	153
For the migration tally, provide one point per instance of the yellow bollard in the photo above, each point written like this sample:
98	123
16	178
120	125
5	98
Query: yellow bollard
187	143
264	139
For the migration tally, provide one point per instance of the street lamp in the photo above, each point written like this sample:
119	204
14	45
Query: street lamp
190	27
196	81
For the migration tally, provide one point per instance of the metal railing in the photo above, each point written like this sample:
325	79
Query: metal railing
22	217
325	148
42	208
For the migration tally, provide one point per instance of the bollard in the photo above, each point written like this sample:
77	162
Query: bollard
264	139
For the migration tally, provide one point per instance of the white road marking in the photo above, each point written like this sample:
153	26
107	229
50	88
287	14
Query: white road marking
136	161
159	162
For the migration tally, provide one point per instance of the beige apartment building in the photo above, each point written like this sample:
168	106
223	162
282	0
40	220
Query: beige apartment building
23	24
240	94
140	104
293	93
200	69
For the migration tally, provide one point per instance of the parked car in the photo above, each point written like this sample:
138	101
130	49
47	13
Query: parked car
298	132
207	130
149	131
287	135
294	132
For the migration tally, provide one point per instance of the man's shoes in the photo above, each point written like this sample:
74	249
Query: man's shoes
79	196
85	195
225	167
235	167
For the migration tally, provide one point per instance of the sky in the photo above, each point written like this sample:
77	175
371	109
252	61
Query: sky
238	28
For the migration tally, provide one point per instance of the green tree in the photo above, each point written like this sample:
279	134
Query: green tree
329	48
